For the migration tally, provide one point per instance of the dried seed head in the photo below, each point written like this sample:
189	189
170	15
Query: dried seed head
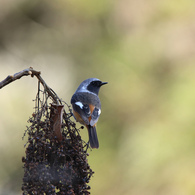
54	166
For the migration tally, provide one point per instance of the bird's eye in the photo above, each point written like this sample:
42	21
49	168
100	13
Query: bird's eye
93	83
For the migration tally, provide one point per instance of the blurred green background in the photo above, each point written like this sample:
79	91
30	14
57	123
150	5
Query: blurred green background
144	49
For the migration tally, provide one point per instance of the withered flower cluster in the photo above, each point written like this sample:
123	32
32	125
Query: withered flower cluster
54	164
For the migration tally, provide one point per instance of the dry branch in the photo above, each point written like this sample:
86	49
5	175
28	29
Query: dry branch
18	75
26	72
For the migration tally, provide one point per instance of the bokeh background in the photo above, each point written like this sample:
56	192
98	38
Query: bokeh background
144	49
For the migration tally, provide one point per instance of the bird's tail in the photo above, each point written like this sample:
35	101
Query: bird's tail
93	139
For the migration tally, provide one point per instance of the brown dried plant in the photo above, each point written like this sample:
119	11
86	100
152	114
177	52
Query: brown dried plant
56	156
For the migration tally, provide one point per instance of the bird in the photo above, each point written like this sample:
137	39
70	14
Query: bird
86	107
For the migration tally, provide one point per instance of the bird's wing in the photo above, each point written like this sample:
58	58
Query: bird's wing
83	110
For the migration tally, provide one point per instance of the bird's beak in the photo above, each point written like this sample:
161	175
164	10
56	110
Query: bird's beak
103	83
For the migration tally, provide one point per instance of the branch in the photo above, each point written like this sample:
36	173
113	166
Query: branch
30	71
16	76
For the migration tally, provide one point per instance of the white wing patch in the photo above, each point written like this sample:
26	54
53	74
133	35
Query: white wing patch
99	111
80	104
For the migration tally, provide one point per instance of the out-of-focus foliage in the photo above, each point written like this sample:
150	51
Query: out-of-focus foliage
144	49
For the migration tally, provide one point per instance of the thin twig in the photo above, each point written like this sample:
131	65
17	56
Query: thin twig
48	89
18	75
26	72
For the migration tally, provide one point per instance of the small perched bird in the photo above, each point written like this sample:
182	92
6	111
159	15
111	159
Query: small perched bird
87	107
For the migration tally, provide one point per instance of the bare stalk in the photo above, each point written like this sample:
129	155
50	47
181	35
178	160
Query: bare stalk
26	72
